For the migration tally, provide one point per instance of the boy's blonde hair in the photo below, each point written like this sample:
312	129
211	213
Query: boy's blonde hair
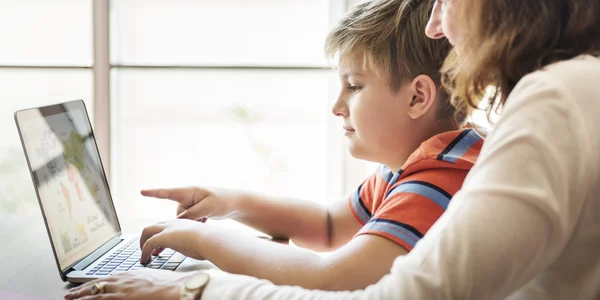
388	36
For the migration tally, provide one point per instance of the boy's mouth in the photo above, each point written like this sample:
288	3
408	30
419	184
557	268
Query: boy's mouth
347	128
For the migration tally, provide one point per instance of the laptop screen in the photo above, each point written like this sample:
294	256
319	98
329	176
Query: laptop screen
69	178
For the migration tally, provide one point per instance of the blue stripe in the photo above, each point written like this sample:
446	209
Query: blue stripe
428	191
395	178
395	230
392	182
390	177
462	147
358	206
386	174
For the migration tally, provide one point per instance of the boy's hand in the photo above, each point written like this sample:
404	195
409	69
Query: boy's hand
182	236
197	203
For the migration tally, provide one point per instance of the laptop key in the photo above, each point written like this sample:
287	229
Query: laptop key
170	266
177	257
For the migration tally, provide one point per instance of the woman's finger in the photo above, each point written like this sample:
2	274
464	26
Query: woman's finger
92	282
112	296
86	289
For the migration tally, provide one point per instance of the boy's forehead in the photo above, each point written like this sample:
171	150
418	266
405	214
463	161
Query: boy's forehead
356	65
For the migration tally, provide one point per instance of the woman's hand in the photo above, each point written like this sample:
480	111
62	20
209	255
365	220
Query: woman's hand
183	236
198	203
140	284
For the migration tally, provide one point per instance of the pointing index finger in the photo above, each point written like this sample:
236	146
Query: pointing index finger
181	195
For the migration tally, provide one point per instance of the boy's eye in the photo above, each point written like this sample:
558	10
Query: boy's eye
354	88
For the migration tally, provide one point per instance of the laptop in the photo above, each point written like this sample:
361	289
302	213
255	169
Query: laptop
75	199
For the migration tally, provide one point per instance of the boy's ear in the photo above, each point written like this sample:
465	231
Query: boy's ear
424	92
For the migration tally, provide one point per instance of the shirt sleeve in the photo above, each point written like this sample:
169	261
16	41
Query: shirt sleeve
413	205
514	215
361	199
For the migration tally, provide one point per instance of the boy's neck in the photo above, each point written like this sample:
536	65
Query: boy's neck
444	125
428	132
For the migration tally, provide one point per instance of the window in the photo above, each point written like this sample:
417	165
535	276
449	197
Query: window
212	93
228	94
46	57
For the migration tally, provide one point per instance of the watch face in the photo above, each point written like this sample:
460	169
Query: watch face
196	281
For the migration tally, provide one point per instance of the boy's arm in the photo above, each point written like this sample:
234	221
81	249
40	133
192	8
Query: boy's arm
362	261
307	223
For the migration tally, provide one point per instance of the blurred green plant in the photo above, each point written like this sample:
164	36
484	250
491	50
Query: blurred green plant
273	161
17	194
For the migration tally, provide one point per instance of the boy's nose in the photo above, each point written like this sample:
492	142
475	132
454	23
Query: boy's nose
433	30
339	108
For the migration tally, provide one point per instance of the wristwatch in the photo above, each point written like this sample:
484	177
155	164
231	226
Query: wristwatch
192	287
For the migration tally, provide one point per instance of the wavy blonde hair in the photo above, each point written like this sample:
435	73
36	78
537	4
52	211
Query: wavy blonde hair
507	39
388	36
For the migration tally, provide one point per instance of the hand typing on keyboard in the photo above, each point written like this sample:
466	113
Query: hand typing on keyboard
127	257
181	235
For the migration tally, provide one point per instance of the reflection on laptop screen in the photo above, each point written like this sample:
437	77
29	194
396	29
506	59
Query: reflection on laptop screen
69	179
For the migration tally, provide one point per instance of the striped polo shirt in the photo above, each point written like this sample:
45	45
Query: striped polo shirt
401	206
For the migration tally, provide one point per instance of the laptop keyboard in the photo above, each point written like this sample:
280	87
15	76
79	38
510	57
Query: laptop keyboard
127	257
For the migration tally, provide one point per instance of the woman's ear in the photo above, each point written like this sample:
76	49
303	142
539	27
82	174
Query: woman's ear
424	92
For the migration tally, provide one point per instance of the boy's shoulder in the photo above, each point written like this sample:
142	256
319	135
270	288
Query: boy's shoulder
457	149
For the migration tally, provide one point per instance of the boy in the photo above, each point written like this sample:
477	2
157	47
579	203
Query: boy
394	113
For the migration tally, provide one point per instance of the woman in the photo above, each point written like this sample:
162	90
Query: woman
526	223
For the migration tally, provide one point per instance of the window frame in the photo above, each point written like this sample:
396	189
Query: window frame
344	172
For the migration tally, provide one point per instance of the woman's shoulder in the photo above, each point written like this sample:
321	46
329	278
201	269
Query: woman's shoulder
575	67
581	72
572	82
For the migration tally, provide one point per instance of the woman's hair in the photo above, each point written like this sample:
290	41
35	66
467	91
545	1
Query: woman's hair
504	40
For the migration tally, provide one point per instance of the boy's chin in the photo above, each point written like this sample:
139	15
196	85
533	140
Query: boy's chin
356	150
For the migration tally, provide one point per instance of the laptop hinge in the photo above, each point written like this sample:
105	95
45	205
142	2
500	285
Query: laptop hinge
88	260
